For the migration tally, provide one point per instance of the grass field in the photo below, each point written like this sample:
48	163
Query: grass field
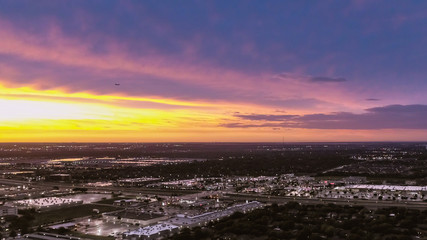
65	214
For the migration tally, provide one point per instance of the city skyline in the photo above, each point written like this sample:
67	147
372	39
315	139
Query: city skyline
214	71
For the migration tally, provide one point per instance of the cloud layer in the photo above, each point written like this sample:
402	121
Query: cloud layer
387	117
327	79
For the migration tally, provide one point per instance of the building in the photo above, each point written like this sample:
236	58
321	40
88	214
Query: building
8	211
135	217
354	180
66	225
151	232
126	202
388	187
61	177
135	182
182	220
46	236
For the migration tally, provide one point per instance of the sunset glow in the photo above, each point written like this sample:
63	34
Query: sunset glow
130	71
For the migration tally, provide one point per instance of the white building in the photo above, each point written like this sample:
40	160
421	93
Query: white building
151	232
182	220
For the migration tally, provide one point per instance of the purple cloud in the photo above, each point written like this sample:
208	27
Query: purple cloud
387	117
264	117
327	79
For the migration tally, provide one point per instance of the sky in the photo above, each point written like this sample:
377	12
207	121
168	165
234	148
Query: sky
213	71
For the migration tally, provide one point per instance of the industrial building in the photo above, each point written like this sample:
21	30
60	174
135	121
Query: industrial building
151	232
135	217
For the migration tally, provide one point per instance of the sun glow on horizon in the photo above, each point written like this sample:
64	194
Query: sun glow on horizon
21	110
27	112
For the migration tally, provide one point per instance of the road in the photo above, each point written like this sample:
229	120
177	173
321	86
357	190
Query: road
371	204
38	187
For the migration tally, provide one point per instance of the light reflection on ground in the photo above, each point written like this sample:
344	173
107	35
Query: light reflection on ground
102	228
90	197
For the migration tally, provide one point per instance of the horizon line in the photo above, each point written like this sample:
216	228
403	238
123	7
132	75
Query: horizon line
213	142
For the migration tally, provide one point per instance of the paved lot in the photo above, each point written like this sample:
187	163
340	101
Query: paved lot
101	228
89	197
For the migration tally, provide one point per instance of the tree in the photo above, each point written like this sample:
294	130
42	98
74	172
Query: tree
80	189
62	230
13	234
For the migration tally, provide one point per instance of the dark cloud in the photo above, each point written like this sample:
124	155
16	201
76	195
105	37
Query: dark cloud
327	79
373	99
387	117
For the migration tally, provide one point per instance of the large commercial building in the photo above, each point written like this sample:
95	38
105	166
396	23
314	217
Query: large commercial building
151	232
135	217
47	236
203	219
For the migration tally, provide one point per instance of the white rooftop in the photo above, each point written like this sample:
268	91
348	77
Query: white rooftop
389	187
151	230
209	216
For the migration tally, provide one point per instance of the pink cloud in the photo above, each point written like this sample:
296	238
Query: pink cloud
56	48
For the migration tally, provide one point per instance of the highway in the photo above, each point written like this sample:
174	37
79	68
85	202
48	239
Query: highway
370	204
38	187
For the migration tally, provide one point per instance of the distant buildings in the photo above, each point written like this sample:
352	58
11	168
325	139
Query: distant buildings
59	177
135	182
354	180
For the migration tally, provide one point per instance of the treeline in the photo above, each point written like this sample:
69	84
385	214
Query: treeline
63	150
416	169
295	221
244	165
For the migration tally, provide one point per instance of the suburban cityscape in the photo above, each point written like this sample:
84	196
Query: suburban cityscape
45	197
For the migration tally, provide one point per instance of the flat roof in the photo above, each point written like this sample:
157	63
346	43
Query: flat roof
48	236
6	207
64	225
389	187
209	216
136	215
151	230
